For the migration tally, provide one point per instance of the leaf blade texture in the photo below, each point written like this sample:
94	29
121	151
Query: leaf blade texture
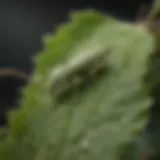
95	122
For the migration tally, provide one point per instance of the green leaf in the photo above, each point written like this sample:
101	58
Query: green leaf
101	114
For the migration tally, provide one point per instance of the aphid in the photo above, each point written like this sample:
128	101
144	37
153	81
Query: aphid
78	71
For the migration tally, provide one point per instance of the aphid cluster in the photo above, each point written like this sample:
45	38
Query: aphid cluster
78	72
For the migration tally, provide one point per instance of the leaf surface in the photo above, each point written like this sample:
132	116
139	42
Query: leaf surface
96	119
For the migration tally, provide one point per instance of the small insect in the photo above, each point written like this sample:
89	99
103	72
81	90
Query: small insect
78	71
